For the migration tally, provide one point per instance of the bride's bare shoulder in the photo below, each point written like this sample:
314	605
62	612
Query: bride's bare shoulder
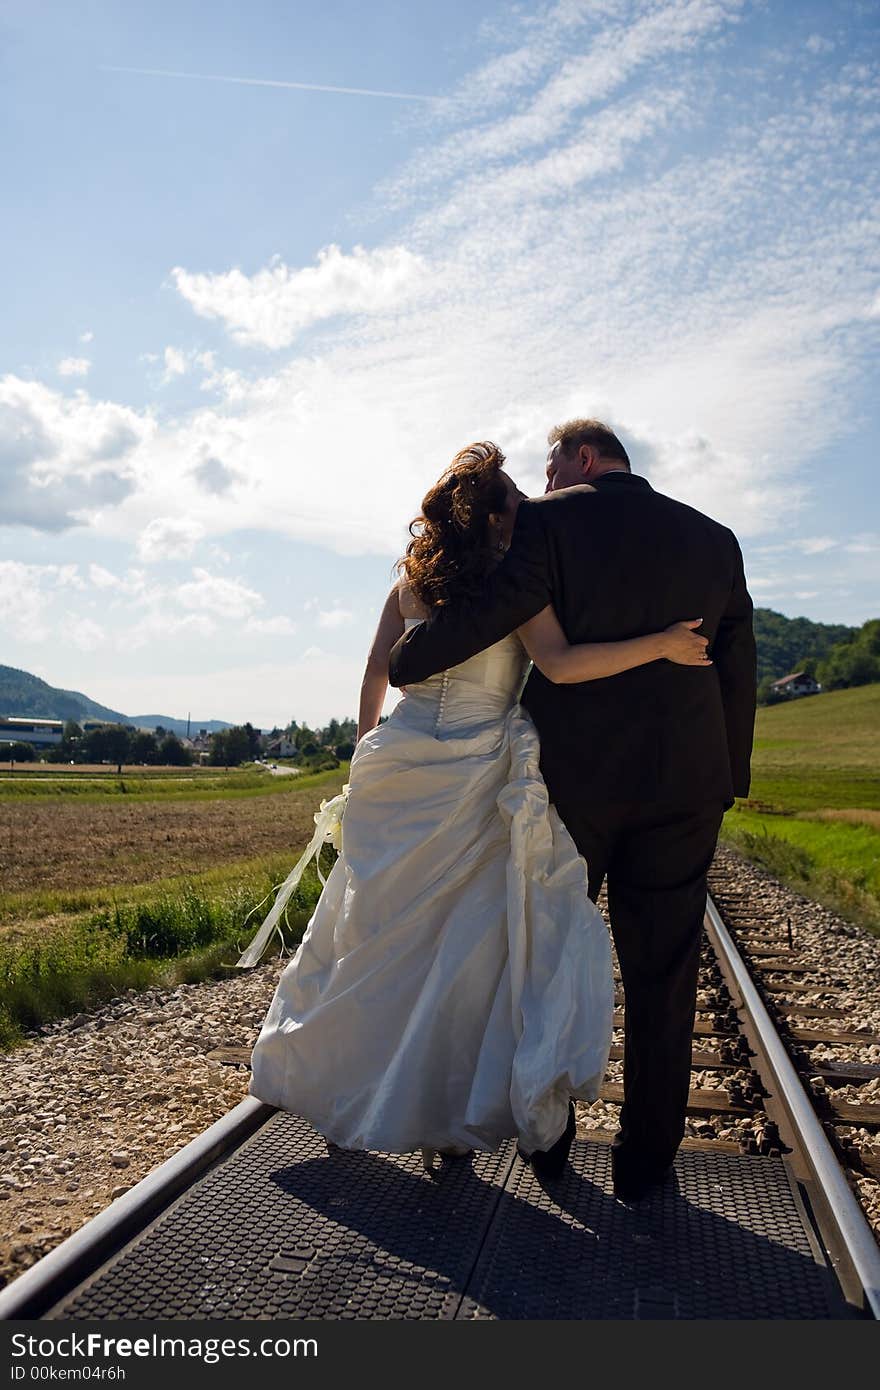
410	606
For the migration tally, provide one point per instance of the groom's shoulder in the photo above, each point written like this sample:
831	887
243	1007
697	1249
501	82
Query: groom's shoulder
556	504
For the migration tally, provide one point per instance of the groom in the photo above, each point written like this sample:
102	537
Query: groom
640	766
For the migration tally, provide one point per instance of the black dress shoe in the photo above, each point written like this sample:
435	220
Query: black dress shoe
638	1186
549	1163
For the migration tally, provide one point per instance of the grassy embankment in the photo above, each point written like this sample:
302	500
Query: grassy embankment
813	817
91	926
39	781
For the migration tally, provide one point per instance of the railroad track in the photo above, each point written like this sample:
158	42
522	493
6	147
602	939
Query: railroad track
764	1097
758	1028
802	1008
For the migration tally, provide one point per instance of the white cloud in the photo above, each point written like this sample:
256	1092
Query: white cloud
227	598
161	626
334	617
865	544
176	363
87	336
63	459
271	307
641	252
817	43
74	366
102	578
28	596
280	626
815	545
213	475
132	584
169	538
83	633
616	41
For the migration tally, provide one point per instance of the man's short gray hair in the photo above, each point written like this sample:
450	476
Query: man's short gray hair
574	433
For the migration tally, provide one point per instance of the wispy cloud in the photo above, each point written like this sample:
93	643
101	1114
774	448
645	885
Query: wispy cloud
585	53
607	216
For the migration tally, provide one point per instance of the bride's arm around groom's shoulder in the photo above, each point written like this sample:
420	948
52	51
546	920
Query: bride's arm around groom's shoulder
514	592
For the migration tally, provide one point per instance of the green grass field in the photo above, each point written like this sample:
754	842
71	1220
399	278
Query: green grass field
180	783
813	817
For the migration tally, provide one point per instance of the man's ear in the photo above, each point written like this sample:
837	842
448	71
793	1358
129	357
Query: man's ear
588	456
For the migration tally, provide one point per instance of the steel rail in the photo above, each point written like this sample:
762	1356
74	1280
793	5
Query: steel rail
854	1252
41	1286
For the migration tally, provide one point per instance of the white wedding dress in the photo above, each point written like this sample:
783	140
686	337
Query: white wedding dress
454	985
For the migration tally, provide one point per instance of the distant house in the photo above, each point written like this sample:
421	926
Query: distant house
281	747
42	733
797	684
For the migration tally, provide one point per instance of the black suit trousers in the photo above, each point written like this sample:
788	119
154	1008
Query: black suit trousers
655	860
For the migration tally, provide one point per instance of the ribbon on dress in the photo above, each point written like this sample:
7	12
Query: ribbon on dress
328	830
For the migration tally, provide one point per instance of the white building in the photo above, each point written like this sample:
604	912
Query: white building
794	685
41	733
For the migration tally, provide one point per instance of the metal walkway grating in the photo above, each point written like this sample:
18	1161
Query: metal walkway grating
282	1230
725	1238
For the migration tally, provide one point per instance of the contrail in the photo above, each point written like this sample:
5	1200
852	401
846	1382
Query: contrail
267	82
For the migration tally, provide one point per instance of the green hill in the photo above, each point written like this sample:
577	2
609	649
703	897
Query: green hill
813	816
24	695
784	644
823	750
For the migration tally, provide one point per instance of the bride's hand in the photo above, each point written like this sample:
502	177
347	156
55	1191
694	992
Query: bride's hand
684	646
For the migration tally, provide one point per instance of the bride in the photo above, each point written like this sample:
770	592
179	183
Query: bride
454	985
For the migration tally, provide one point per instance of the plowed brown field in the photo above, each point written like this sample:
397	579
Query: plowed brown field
51	844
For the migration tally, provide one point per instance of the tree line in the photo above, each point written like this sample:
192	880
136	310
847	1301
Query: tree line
315	749
120	744
854	661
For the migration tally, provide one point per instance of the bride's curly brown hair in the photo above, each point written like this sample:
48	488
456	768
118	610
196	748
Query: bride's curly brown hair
451	551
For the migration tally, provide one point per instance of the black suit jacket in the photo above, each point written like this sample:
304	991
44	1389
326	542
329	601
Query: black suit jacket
618	562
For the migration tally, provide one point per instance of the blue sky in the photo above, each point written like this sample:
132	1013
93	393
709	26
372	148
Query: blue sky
247	325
